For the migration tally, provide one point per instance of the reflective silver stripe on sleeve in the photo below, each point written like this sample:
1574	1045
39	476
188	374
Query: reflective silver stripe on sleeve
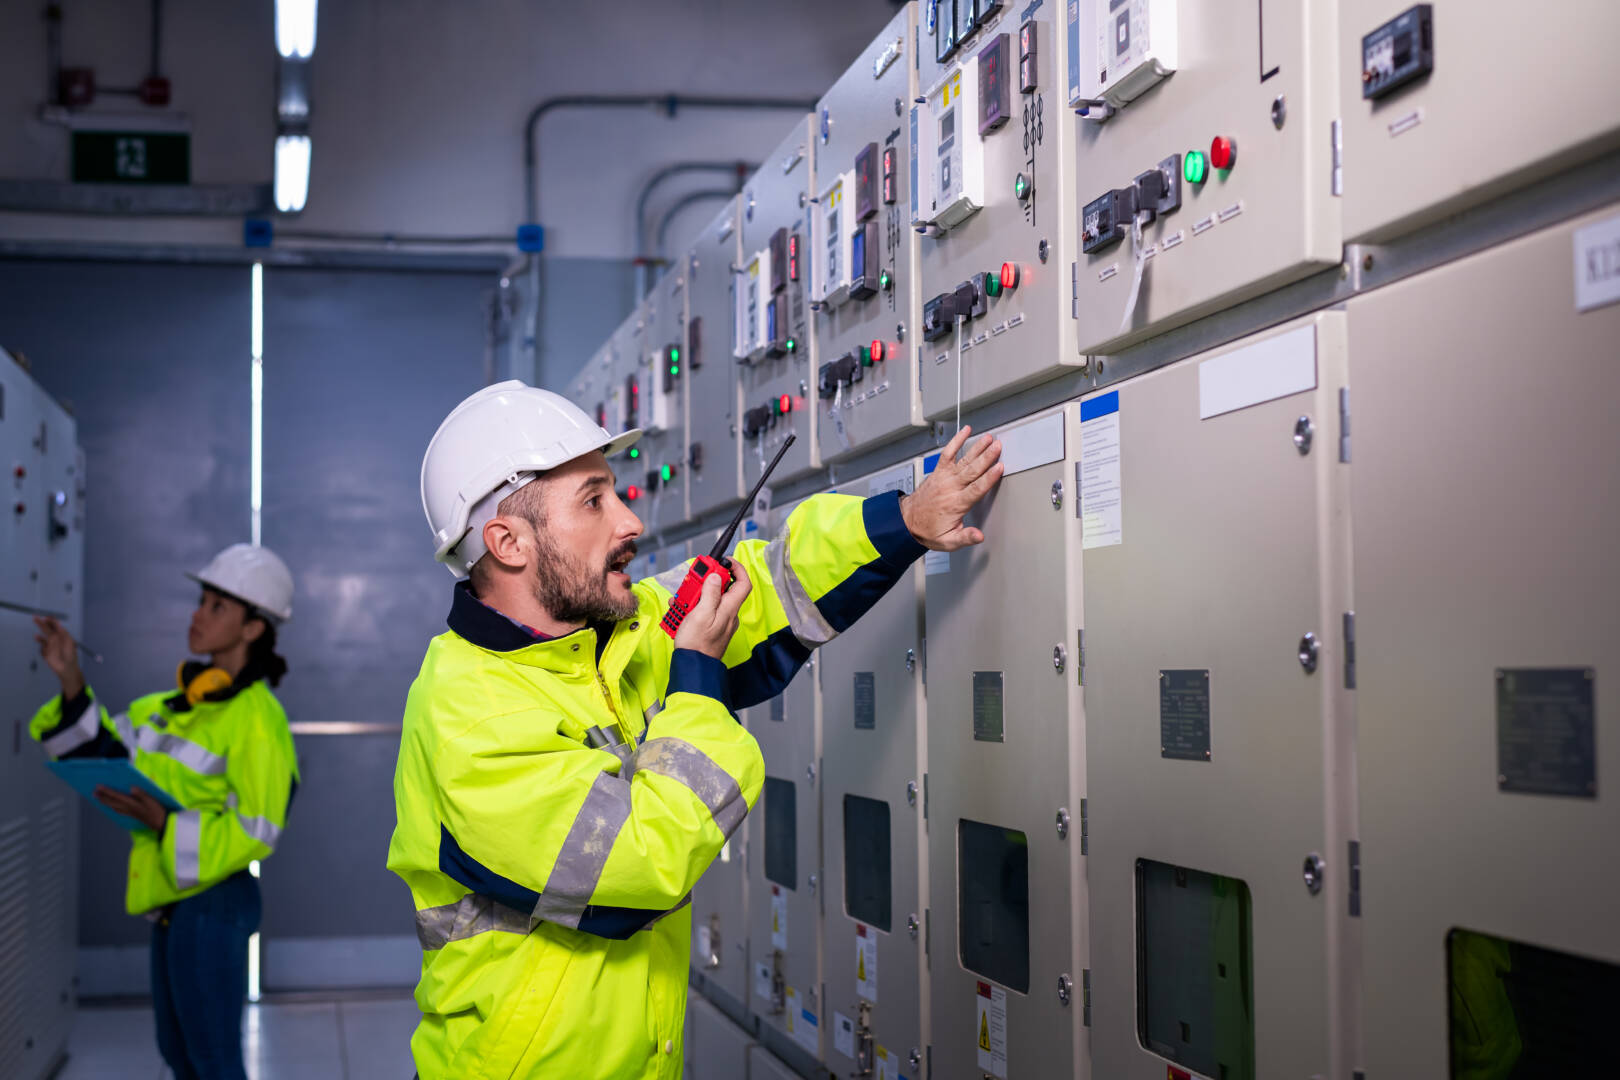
184	751
126	733
187	826
473	914
686	764
805	619
670	580
585	852
261	829
81	731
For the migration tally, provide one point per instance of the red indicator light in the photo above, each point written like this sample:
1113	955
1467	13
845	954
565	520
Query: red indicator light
1009	275
877	352
1223	152
632	493
793	257
785	404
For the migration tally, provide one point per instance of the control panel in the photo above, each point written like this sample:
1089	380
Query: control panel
866	252
665	363
1217	184
775	348
713	463
1447	105
992	202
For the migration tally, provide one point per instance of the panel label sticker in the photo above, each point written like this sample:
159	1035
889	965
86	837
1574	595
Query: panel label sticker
990	1029
1029	446
887	1067
1264	371
778	710
866	962
1101	492
843	1035
937	562
1544	731
1184	714
779	920
762	981
987	718
1597	265
802	1024
865	700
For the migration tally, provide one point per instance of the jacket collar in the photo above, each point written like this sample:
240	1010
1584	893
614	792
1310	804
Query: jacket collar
482	626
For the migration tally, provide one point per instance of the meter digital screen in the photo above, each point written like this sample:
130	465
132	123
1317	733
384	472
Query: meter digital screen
866	179
945	27
889	170
857	251
995	100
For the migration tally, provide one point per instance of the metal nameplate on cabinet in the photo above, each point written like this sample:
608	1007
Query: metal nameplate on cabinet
1184	714
988	723
1545	731
865	700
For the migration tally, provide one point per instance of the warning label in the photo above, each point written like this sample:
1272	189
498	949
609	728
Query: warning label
802	1024
778	918
866	962
990	1024
886	1069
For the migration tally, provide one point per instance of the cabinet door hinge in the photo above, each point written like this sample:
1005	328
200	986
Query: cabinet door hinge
1344	425
1349	650
1085	828
1085	996
1355	879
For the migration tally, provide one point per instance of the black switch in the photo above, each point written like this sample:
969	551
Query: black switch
939	316
694	456
1105	219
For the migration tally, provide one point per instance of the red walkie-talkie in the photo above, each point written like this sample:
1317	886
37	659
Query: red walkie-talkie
715	562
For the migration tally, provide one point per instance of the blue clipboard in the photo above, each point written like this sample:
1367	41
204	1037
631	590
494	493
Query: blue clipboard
84	775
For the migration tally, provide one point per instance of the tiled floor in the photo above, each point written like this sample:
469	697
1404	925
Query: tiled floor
341	1039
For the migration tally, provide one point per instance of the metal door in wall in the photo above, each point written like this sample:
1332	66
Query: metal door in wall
359	369
1218	729
871	827
1002	787
1487	652
784	857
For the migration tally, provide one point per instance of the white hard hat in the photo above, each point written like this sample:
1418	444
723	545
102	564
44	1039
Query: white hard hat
254	575
489	446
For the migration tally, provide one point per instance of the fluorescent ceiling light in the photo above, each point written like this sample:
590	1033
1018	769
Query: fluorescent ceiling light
292	172
295	28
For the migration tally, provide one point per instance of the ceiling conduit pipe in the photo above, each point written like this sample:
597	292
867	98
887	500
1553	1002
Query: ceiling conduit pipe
670	104
682	203
644	256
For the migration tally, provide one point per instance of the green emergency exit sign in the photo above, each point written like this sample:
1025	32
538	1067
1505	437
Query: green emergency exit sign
131	157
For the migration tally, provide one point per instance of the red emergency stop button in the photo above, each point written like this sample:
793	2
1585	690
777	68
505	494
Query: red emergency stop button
1223	152
1009	276
877	352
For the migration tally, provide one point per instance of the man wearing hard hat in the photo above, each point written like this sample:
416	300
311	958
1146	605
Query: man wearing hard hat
218	743
567	771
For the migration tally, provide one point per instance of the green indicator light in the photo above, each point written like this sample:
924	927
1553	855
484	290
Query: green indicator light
1194	167
884	280
992	284
665	472
866	356
634	453
674	369
674	355
1020	186
791	345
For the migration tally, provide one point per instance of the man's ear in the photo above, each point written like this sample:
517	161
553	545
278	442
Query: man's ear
504	541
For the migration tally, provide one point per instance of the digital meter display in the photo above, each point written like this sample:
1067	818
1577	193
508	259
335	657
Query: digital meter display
995	99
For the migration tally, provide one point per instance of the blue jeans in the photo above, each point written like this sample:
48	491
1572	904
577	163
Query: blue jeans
199	979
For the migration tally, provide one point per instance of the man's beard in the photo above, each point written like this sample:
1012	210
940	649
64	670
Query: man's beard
574	593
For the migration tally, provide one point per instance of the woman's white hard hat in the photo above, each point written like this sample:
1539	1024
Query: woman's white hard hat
254	575
490	445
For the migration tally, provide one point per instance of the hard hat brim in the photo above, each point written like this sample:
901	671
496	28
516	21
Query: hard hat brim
620	443
277	617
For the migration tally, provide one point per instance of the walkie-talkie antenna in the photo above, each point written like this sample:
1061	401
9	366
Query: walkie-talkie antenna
742	511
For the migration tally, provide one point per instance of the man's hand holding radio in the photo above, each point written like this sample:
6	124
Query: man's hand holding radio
708	627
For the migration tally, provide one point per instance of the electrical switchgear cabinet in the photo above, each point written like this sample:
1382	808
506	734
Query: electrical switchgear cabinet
1005	774
866	387
661	468
1515	94
714	460
871	825
776	348
1233	151
41	572
1006	264
1487	646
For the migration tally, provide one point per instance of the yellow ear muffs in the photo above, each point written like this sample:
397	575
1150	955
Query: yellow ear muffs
205	682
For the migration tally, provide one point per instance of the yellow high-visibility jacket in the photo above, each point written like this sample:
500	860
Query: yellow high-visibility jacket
551	873
228	760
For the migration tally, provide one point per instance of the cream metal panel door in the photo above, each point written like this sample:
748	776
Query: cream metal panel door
1218	732
871	825
713	455
1488	644
784	858
1003	783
